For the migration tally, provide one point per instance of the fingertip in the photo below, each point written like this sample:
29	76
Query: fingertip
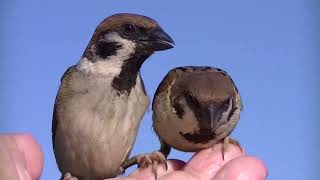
147	173
175	164
243	168
32	153
207	162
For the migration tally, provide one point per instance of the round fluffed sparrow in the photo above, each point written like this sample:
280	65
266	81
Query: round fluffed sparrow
195	108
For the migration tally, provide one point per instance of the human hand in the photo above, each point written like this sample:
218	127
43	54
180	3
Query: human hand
20	157
208	164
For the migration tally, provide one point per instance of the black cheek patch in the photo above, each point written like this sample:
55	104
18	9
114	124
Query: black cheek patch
105	49
178	107
203	136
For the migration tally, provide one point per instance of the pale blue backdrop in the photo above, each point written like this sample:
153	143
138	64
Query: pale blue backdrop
269	48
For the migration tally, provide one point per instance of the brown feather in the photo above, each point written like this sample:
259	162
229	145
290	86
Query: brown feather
55	121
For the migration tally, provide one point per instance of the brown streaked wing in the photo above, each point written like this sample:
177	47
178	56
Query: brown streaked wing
54	117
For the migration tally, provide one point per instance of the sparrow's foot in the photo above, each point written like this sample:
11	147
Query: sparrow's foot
155	159
68	176
226	142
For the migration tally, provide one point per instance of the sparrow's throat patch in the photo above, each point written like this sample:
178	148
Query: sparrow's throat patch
126	80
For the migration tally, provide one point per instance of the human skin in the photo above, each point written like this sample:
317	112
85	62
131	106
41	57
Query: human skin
21	158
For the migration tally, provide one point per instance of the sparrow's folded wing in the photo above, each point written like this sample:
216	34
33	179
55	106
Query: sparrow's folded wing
54	117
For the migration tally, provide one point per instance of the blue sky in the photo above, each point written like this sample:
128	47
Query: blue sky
268	47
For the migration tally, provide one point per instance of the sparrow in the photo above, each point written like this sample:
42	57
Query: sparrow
101	100
195	108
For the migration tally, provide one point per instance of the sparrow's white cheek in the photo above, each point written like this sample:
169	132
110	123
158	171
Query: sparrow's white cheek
111	65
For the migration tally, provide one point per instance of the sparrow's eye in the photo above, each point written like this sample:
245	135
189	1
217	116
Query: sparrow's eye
128	29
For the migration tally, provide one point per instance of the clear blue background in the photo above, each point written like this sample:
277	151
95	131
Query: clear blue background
269	48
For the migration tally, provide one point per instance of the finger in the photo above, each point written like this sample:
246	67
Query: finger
208	162
12	161
31	152
179	175
147	174
243	168
8	169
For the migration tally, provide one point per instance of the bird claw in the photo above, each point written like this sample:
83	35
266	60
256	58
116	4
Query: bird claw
226	142
155	159
68	176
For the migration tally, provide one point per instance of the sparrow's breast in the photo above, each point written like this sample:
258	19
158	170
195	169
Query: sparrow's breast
97	125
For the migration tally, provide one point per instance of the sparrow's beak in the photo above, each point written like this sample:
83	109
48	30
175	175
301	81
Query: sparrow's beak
159	40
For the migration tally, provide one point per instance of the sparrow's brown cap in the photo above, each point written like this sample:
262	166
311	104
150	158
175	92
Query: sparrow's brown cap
117	20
